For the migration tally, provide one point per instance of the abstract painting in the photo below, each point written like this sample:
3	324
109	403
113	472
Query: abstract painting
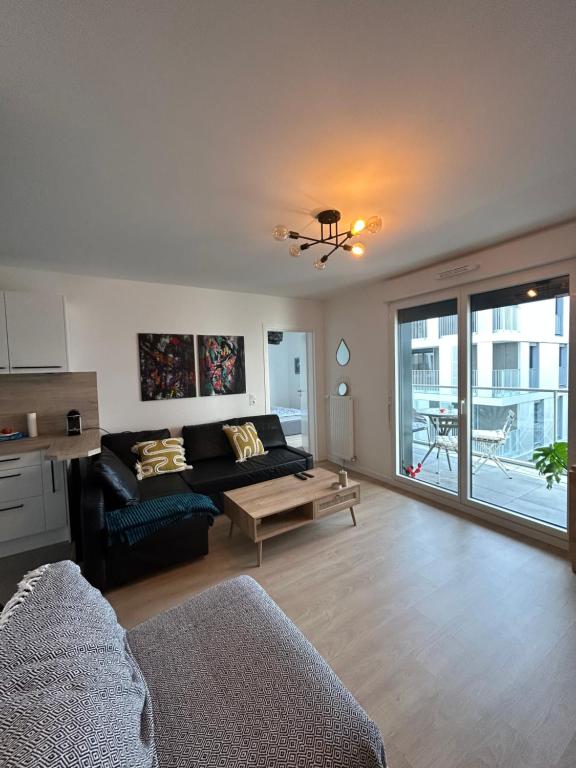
221	367
166	366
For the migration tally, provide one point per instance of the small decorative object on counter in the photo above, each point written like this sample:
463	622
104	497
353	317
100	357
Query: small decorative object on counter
9	433
74	423
32	424
343	478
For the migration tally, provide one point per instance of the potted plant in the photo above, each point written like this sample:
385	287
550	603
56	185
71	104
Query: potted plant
552	462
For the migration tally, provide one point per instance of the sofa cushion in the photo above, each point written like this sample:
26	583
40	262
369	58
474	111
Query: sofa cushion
214	476
71	693
121	443
163	485
235	683
118	483
159	457
244	440
269	430
206	441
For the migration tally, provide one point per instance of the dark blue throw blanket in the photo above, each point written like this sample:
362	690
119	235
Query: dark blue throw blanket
131	524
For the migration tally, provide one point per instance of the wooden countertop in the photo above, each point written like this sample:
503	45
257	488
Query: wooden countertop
56	447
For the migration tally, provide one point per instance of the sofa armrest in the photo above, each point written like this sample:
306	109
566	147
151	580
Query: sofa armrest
303	455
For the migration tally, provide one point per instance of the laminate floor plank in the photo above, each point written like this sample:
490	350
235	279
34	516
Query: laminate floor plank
458	639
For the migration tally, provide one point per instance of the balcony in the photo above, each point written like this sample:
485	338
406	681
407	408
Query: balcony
425	378
541	417
506	377
505	319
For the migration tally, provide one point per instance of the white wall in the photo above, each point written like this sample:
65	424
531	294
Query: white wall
105	316
361	317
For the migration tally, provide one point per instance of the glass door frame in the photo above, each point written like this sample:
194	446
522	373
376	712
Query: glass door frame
463	500
435	492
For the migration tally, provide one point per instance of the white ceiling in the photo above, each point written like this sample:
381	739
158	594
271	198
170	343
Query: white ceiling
163	139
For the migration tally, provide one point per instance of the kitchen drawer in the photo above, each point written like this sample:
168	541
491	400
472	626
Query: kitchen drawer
23	459
21	518
20	483
341	499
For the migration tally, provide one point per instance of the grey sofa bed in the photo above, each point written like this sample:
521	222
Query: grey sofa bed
225	679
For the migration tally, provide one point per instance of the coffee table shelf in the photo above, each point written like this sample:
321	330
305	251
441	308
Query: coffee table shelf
273	525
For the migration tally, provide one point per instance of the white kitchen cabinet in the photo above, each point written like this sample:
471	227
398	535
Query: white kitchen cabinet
36	332
55	504
4	359
33	502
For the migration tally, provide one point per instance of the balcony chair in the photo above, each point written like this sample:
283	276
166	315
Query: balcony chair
445	438
488	441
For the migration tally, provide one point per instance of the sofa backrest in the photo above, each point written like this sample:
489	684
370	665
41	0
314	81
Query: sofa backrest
121	443
269	430
208	441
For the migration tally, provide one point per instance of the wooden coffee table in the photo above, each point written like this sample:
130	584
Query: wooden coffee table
276	506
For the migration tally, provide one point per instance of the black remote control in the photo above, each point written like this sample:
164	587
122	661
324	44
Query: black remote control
300	476
307	474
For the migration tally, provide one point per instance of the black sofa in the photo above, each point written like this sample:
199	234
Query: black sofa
110	483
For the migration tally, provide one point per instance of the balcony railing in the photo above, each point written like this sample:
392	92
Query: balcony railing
448	326
506	377
419	329
505	319
488	409
425	378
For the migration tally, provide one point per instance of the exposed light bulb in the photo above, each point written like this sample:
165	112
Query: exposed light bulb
532	292
357	226
374	224
358	249
295	250
318	264
280	232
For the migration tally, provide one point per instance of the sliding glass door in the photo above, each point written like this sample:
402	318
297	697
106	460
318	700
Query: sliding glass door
427	388
519	396
482	397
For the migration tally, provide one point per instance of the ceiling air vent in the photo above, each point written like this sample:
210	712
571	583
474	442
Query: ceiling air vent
448	274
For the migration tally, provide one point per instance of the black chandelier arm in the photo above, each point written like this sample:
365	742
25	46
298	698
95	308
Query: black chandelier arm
327	240
326	256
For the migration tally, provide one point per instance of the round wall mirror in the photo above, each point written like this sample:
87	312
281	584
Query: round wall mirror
342	388
342	353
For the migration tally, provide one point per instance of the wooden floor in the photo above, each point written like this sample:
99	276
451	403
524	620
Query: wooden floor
458	640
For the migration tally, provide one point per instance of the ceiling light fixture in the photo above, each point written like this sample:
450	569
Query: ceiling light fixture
330	236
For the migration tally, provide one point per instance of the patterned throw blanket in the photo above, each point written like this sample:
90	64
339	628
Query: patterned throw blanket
131	524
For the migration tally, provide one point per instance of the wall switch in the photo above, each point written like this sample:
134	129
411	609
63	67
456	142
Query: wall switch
251	400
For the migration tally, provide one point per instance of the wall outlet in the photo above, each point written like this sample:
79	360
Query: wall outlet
251	400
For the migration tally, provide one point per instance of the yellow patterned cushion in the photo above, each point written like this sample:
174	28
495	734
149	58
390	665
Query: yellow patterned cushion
159	457
244	441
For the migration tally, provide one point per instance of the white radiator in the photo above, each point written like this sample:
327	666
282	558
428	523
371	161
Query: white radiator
341	427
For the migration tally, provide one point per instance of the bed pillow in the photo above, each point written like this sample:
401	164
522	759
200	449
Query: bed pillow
244	440
160	457
71	693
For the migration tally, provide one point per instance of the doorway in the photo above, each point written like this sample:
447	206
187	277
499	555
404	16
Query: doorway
290	392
